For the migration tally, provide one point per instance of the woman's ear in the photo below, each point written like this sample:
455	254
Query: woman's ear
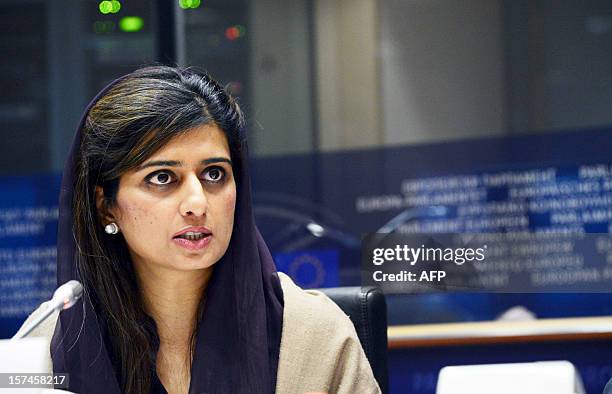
104	213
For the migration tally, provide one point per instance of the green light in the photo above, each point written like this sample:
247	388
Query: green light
131	24
116	6
186	4
106	7
241	30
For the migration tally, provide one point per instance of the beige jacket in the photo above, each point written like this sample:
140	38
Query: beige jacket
320	351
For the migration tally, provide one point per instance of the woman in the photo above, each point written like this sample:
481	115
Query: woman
181	293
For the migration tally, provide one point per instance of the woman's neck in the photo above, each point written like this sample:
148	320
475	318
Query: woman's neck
172	299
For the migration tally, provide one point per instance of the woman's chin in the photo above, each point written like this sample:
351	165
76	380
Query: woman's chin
194	263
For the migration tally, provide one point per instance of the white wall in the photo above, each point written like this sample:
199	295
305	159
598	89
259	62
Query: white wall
281	113
348	88
385	72
442	71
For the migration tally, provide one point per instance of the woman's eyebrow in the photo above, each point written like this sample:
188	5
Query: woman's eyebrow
216	160
175	163
159	163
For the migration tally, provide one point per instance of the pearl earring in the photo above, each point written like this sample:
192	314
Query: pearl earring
111	228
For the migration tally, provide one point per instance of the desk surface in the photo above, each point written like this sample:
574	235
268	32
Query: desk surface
498	332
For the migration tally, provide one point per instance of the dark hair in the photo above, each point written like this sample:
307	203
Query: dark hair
130	122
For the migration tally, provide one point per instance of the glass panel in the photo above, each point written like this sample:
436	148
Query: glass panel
56	56
261	50
25	76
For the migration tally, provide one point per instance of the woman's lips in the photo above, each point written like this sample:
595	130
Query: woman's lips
193	245
193	229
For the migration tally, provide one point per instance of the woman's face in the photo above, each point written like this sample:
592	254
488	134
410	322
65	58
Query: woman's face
176	210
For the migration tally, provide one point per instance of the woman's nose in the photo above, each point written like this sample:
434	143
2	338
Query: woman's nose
193	201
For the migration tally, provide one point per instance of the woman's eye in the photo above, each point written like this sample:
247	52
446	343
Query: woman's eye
160	178
214	174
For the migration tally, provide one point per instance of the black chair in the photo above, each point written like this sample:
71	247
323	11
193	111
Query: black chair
367	309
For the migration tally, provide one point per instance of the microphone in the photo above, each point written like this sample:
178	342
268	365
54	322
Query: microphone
64	297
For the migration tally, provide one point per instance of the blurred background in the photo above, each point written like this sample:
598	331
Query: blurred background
363	115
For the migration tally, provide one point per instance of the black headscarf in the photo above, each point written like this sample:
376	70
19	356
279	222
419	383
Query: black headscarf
238	339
